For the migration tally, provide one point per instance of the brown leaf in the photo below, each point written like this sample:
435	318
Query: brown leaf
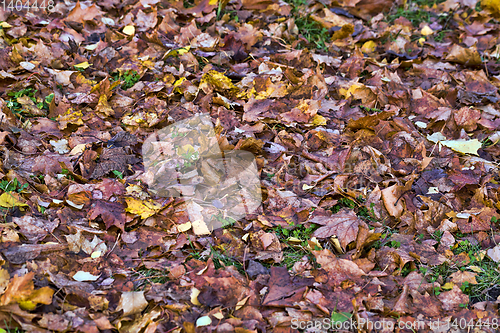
284	291
112	213
35	229
392	201
113	159
466	56
460	277
339	269
26	252
19	288
344	225
132	302
49	163
402	304
452	299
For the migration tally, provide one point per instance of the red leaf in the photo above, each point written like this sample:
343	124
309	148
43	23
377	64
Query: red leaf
112	213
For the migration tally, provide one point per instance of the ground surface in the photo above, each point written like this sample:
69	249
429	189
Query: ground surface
374	126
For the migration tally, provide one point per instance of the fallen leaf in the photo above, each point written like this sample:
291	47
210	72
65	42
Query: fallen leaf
112	213
142	208
11	199
129	30
84	276
83	65
344	225
132	302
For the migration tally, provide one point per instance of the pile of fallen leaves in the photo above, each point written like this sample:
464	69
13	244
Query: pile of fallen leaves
375	128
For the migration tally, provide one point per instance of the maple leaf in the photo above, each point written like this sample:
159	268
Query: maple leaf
112	213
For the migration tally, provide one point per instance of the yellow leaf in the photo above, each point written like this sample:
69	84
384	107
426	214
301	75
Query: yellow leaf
212	2
240	304
352	89
421	41
104	107
217	81
194	296
95	254
491	5
319	120
368	47
41	296
183	227
80	79
448	286
132	302
144	208
4	279
475	269
217	315
83	65
27	305
200	227
183	50
344	32
186	150
70	117
5	25
426	31
463	146
179	82
129	30
11	199
203	321
177	52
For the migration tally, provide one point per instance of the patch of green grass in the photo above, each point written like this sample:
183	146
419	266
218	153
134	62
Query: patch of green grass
487	143
13	185
415	11
487	280
222	260
222	11
225	221
407	269
415	16
269	175
299	232
361	211
10	330
439	36
295	250
67	174
188	4
432	274
189	154
384	240
129	78
315	34
437	235
16	107
427	3
144	276
369	110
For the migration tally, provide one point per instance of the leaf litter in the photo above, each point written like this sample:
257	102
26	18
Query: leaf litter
374	127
